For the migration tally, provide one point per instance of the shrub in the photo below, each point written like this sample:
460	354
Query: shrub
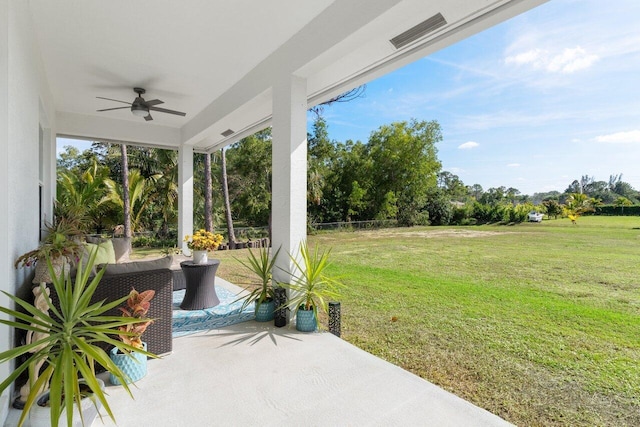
439	208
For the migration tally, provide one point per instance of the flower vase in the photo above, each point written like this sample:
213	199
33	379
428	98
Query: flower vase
200	257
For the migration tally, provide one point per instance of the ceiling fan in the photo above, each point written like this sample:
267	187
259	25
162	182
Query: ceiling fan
140	107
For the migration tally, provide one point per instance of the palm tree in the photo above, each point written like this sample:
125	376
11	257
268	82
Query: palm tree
140	195
227	203
81	196
166	188
208	204
622	202
126	205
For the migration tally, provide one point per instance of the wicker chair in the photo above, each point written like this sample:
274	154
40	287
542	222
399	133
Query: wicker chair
115	286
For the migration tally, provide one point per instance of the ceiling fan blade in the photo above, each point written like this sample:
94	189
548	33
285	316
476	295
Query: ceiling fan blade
148	117
116	100
153	102
116	108
164	110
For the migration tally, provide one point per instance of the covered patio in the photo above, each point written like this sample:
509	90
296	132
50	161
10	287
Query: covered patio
252	373
234	68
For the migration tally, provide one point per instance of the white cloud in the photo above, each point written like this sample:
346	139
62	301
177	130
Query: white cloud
576	140
468	145
533	56
566	62
513	165
631	137
456	170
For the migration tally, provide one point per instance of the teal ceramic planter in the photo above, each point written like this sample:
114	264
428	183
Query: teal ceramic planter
265	311
306	320
133	367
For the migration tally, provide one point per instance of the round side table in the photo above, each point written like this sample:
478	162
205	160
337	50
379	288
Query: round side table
200	282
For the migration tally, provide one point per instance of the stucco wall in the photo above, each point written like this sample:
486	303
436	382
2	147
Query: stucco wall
25	103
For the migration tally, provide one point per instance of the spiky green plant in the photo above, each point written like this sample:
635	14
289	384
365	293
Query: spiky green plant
311	287
262	266
69	342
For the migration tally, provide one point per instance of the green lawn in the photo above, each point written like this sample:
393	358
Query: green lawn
538	323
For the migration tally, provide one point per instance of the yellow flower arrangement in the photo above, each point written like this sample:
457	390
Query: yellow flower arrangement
203	240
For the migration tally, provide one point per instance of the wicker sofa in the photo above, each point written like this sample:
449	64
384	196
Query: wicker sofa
118	280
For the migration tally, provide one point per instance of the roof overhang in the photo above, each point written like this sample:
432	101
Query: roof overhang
218	61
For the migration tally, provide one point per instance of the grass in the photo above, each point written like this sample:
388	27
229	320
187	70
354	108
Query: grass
538	323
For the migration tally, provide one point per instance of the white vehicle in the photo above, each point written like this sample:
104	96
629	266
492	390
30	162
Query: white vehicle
535	217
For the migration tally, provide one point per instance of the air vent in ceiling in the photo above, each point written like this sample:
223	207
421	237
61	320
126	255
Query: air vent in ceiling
414	33
227	133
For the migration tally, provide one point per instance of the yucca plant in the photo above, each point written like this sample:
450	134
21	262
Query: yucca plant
311	289
262	266
68	343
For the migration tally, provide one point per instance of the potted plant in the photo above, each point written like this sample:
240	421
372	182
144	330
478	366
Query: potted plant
311	287
68	343
201	242
261	266
133	363
61	245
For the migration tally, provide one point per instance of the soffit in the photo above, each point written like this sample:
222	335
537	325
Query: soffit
217	60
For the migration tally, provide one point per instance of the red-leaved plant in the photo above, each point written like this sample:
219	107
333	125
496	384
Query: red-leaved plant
137	306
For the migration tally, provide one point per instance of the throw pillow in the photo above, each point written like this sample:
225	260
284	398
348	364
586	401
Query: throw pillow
105	255
137	266
121	246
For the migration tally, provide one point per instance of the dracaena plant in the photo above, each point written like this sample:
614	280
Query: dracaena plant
312	287
262	266
68	339
137	307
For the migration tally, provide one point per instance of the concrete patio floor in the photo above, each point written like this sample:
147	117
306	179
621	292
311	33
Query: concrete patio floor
255	374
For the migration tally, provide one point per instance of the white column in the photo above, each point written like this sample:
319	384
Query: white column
185	195
7	275
289	179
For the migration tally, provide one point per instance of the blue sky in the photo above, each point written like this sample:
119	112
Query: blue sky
533	103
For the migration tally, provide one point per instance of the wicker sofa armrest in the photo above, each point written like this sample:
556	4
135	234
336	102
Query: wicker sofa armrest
115	286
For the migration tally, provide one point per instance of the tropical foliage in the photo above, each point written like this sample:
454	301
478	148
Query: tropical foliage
312	287
394	175
67	341
60	241
260	265
138	305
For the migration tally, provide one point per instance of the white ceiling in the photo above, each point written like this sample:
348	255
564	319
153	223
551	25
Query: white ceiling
216	60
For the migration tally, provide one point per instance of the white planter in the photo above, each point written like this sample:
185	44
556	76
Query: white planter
40	416
200	257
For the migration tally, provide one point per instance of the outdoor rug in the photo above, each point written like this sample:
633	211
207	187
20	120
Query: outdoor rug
186	322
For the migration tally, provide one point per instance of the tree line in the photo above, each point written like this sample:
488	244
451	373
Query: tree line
394	175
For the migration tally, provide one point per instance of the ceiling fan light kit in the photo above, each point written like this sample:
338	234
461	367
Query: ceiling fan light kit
140	107
139	110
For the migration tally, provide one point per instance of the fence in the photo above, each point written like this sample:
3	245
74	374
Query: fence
354	225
